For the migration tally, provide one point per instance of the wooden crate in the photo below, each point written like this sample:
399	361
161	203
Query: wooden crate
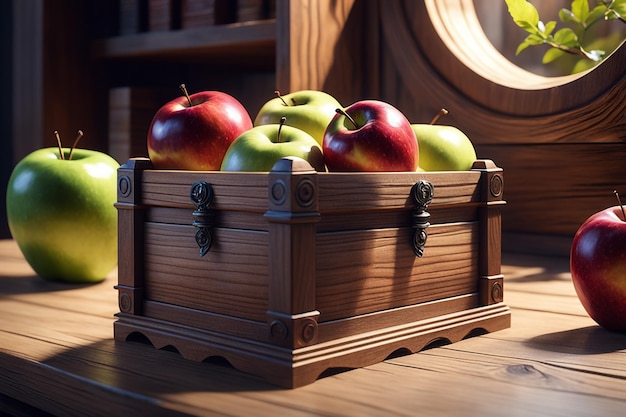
289	273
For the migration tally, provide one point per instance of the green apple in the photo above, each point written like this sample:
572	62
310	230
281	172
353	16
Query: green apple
261	147
443	148
61	213
308	110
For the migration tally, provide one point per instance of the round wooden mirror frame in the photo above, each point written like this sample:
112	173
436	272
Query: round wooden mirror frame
456	46
560	140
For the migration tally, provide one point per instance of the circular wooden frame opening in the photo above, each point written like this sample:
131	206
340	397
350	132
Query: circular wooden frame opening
455	44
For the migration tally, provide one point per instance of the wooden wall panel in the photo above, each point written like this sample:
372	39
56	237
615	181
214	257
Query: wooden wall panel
328	45
553	188
562	147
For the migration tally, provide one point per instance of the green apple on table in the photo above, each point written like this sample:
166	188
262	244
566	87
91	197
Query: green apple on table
60	211
308	110
261	147
443	148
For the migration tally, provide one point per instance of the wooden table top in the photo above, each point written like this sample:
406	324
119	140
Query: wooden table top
57	354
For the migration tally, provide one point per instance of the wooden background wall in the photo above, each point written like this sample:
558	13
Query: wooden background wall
561	142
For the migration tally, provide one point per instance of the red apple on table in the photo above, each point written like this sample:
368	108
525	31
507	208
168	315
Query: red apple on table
598	267
370	135
193	132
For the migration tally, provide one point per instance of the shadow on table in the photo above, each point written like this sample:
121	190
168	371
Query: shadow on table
584	341
32	284
139	368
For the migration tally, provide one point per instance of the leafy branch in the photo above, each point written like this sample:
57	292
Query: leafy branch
567	40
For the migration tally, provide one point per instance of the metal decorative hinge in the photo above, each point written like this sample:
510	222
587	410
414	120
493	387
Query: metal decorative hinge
202	196
422	193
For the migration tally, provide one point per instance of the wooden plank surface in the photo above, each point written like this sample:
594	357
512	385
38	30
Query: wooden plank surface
57	354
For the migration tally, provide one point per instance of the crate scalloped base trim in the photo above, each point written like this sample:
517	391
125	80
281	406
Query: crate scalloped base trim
292	368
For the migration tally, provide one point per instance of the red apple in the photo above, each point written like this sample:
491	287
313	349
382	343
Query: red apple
194	132
598	267
370	135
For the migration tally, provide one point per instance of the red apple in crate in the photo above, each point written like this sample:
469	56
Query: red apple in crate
598	267
370	135
194	132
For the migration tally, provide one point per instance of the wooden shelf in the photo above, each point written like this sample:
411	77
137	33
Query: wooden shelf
238	41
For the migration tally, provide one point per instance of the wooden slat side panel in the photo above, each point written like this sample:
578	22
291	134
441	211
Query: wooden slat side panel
337	191
225	219
351	326
350	191
206	320
231	279
365	271
380	219
330	221
233	190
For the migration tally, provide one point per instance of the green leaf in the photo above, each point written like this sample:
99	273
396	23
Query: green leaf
552	54
619	6
580	8
566	37
596	14
521	47
583	65
550	27
534	40
524	14
567	16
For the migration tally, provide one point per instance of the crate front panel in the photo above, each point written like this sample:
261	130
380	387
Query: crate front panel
360	272
231	279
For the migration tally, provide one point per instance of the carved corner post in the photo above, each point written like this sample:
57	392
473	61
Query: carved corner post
292	216
491	280
130	215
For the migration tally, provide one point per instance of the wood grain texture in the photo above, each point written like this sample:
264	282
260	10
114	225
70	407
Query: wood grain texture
252	41
231	279
57	354
279	270
558	197
316	47
561	142
362	272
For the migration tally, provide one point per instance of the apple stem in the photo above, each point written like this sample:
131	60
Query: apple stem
343	113
442	112
80	135
619	201
56	134
280	97
184	88
280	127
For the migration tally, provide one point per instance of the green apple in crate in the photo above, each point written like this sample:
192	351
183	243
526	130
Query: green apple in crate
308	110
261	147
60	210
443	148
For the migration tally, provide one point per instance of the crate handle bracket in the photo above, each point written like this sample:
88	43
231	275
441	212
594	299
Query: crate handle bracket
202	197
422	194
